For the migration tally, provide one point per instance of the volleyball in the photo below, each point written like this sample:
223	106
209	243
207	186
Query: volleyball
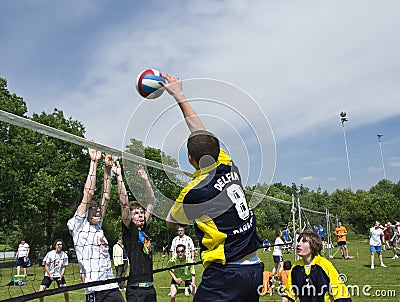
147	83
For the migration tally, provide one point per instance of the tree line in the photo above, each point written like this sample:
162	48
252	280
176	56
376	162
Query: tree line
42	177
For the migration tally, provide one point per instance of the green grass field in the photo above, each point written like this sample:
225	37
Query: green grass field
381	284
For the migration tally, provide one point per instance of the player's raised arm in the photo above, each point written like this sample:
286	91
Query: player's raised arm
174	88
105	194
123	195
149	193
90	184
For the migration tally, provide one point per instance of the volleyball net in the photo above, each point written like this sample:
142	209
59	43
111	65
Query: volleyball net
44	172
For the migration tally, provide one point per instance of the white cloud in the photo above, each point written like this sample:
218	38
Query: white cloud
307	178
374	169
395	164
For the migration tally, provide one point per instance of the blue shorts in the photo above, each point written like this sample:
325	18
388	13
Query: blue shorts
341	243
231	282
375	249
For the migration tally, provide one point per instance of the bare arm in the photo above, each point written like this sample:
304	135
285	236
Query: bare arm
174	88
105	198
123	195
148	190
90	184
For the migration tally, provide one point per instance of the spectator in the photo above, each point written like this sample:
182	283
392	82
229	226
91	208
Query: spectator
284	274
185	240
165	249
182	275
266	244
120	259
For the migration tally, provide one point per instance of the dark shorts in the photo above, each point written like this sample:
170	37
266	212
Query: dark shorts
21	262
187	282
231	282
109	295
278	259
140	294
341	243
393	243
47	281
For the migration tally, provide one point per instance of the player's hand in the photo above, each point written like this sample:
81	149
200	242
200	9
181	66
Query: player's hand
116	169
142	173
94	154
174	86
108	160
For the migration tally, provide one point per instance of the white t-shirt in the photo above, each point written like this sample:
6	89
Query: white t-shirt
186	241
278	249
55	262
375	236
91	248
23	250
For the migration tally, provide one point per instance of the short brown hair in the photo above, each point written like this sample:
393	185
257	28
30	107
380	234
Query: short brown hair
203	143
314	240
136	205
57	240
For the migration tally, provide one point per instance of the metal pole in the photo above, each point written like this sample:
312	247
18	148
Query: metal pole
294	226
299	208
380	148
343	120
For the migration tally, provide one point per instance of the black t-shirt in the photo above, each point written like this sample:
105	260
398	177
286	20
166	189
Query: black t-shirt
139	253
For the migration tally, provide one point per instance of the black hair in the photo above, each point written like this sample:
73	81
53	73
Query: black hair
287	265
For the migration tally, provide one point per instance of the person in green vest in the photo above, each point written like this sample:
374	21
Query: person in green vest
184	274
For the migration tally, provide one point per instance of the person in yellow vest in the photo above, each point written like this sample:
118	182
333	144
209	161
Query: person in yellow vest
120	259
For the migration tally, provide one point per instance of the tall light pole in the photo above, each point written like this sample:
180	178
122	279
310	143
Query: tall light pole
344	119
380	148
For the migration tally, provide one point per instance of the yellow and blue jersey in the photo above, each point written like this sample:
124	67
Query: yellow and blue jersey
216	202
318	283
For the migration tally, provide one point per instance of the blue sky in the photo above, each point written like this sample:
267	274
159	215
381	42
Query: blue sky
302	63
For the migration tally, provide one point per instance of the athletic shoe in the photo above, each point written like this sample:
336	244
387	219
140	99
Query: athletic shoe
187	292
382	265
372	266
395	257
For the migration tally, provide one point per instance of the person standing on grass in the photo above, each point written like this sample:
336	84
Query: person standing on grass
313	278
277	253
375	244
392	238
341	233
22	257
55	263
120	259
184	239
